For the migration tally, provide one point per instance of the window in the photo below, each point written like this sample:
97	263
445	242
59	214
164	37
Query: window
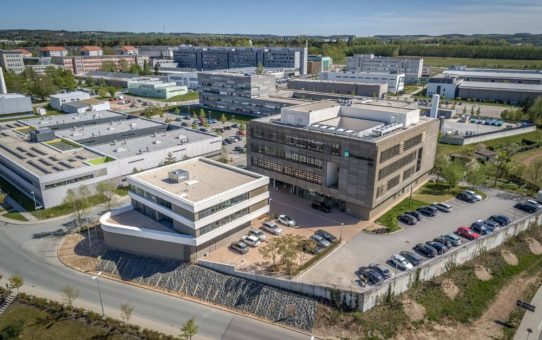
395	166
412	142
393	182
390	153
289	171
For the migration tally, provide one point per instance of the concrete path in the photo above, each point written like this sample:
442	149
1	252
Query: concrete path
532	321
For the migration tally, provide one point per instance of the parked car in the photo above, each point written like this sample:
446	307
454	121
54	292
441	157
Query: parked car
287	220
415	214
501	219
235	126
427	211
320	240
528	208
272	228
407	219
238	148
372	276
328	236
258	233
385	272
441	248
442	207
466	197
411	257
401	262
311	247
227	127
442	239
425	250
251	240
481	228
454	239
320	206
473	194
494	225
203	129
467	233
240	247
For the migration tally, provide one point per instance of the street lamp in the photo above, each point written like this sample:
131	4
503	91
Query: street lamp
97	278
341	231
35	204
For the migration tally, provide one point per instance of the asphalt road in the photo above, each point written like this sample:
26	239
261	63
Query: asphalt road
33	255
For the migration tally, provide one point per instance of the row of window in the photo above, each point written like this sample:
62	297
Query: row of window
282	138
393	167
396	149
291	156
69	181
288	171
222	205
382	189
223	221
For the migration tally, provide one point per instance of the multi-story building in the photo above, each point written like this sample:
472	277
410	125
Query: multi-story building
395	81
26	53
411	67
156	51
83	64
12	60
156	89
58	100
339	87
360	159
220	58
91	51
53	51
318	63
249	94
129	50
184	210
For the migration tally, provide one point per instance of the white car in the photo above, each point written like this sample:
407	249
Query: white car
272	228
287	220
400	262
258	233
477	196
251	240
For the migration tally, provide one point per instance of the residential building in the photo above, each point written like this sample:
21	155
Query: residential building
86	105
58	100
129	50
91	51
12	60
26	53
411	67
339	87
14	103
361	159
395	81
52	154
156	89
53	51
184	210
84	64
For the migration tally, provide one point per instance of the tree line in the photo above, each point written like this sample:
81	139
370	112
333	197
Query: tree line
40	85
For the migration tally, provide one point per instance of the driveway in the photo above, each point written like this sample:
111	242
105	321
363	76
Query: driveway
338	269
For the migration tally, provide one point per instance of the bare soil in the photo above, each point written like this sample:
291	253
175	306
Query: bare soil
482	273
76	251
534	246
413	310
449	288
509	257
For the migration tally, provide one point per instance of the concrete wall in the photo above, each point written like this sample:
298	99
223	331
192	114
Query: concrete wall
464	140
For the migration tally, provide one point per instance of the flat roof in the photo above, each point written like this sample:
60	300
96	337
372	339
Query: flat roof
350	123
334	82
313	106
12	96
510	74
516	87
85	102
206	179
71	118
113	127
69	94
153	142
133	217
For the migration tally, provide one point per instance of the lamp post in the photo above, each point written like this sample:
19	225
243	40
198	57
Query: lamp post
35	204
97	278
341	231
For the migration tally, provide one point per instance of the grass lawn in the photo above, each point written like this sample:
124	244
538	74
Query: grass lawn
15	216
402	207
474	62
438	192
192	95
527	157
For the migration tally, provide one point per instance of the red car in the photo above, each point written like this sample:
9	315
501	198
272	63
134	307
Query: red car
467	233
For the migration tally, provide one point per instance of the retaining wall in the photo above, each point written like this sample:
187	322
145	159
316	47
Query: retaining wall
464	140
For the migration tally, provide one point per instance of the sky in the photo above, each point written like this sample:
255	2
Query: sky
280	17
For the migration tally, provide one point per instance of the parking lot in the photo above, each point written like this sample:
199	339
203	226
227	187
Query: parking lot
453	126
338	269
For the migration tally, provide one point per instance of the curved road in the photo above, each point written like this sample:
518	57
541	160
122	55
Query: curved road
23	250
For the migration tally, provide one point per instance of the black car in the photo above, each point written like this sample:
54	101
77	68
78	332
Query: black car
481	228
528	208
415	214
494	225
372	276
330	237
444	240
501	219
385	272
441	248
240	247
427	211
413	258
407	219
463	196
227	127
312	247
320	206
426	250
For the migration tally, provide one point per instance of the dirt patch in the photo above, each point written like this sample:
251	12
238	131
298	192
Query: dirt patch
80	252
534	246
413	310
509	257
449	288
482	273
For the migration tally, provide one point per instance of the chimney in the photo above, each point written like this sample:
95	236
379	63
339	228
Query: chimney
3	88
434	106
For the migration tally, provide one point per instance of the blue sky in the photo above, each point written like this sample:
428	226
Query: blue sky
288	17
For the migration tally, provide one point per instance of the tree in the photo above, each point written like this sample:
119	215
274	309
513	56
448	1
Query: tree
3	197
78	203
288	248
270	250
70	294
476	173
135	69
260	69
452	174
176	110
43	88
109	66
533	174
223	119
106	191
478	112
242	126
464	110
112	91
189	329
126	310
170	159
123	65
102	92
535	111
16	281
500	166
146	69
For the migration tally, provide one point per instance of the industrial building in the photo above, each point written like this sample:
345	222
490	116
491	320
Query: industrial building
58	100
221	58
50	155
156	89
185	210
360	159
411	67
86	105
14	103
395	81
83	64
339	87
12	60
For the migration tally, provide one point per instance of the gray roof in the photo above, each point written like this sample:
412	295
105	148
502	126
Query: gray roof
509	74
516	87
113	127
69	118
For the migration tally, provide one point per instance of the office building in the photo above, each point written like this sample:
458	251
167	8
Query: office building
395	81
12	60
185	210
318	63
129	50
156	51
52	154
339	87
160	63
360	159
58	100
86	105
156	89
411	67
53	51
14	103
118	79
84	64
181	77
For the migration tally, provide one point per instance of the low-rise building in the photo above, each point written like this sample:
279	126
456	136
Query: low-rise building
91	51
395	81
86	105
156	89
339	87
180	77
409	66
83	64
12	60
14	103
129	50
26	53
53	51
118	79
184	210
58	100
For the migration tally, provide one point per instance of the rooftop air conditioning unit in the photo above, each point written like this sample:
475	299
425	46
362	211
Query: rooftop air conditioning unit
178	176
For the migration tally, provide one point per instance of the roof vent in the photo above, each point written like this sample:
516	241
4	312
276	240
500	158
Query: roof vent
178	176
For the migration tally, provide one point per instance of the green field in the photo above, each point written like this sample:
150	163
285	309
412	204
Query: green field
491	63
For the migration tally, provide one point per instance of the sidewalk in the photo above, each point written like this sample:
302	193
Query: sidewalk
531	320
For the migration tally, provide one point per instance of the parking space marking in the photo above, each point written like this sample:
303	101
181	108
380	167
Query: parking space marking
306	212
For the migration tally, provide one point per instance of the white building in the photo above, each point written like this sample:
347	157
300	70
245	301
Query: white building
182	78
91	51
13	103
184	210
395	81
411	67
86	105
156	89
57	100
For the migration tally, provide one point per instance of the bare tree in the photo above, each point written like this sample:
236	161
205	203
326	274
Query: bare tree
16	281
70	294
106	190
126	310
270	250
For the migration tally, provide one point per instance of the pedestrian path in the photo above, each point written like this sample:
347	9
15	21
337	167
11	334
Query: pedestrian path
7	302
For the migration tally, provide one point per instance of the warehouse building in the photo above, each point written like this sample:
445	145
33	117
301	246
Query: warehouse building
86	105
58	100
14	103
339	87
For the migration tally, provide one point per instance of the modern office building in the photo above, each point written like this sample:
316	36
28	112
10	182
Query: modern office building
47	156
360	159
53	51
220	58
58	100
185	210
14	103
118	79
395	81
411	67
156	89
86	105
249	94
12	60
84	64
91	51
339	87
159	63
180	77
